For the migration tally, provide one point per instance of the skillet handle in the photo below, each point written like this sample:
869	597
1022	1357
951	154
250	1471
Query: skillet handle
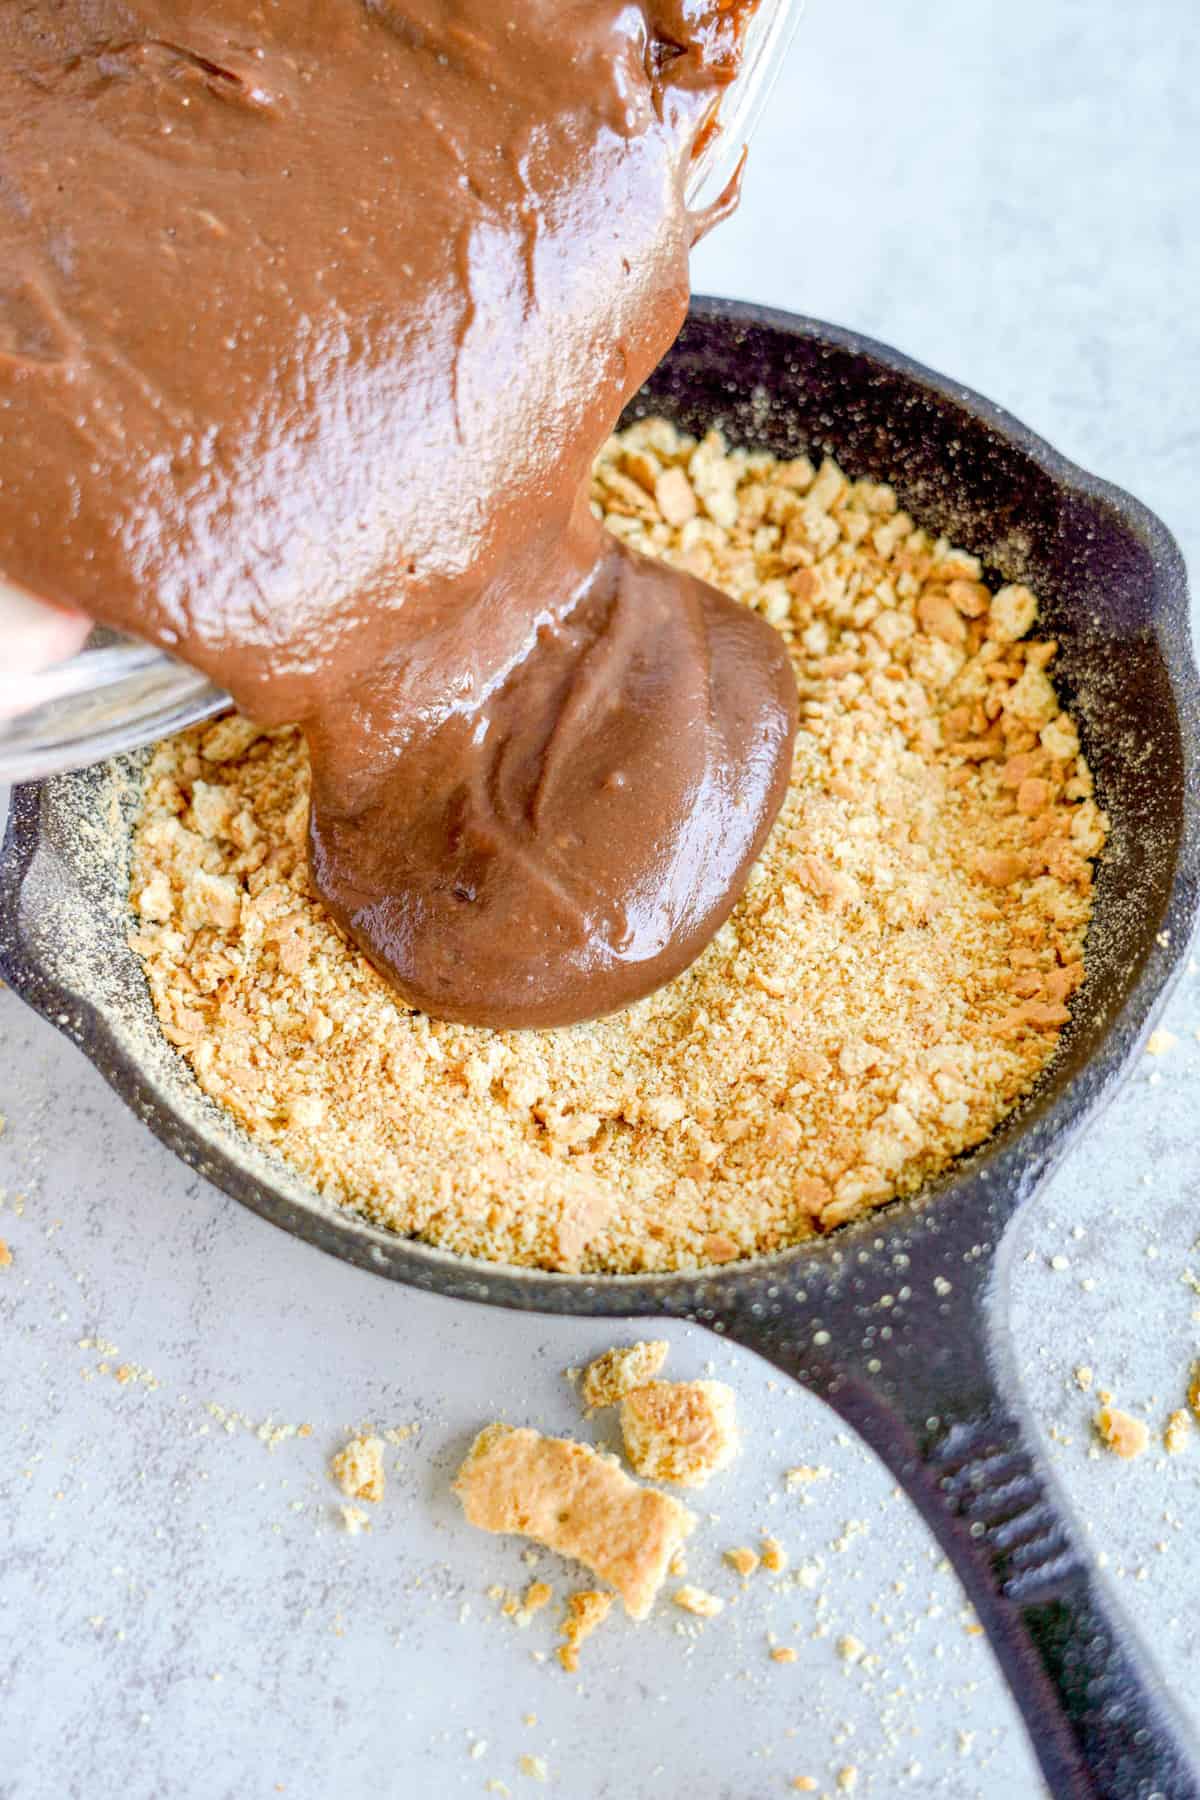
934	1392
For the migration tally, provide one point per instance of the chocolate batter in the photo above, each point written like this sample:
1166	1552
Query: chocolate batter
313	314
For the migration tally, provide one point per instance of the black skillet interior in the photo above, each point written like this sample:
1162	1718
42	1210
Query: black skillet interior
894	1320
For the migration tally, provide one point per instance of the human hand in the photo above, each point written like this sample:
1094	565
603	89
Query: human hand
33	634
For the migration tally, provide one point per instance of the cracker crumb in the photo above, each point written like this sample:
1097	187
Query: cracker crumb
803	1474
680	1431
537	1595
874	1006
1083	1377
697	1600
847	1779
1160	1042
774	1556
1126	1436
743	1559
1178	1431
851	1649
611	1376
585	1611
535	1767
6	1255
1193	1393
358	1469
354	1520
572	1499
783	1653
805	1784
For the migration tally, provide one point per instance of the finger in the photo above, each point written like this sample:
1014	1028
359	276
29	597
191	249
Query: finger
33	635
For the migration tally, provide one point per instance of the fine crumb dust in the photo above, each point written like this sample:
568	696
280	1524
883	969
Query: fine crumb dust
892	982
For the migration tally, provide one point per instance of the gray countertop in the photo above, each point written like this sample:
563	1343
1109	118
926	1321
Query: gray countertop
1008	192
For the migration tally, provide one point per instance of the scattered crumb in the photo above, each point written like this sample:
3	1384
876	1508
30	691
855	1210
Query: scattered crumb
537	1595
358	1469
1160	1042
6	1255
743	1559
847	1779
577	1501
774	1556
681	1431
697	1600
535	1767
1083	1377
354	1519
1178	1431
585	1610
783	1653
611	1376
398	1434
805	1784
851	1649
802	1475
1193	1393
1123	1434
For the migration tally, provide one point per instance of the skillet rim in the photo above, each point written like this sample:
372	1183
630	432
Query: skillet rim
987	1186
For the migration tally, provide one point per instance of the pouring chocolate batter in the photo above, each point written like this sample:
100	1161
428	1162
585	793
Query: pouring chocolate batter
313	314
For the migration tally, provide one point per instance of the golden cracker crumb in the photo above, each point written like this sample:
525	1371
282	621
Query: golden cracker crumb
743	1559
572	1499
1126	1436
803	1474
1193	1393
585	1611
1177	1432
774	1556
680	1431
697	1600
610	1377
358	1469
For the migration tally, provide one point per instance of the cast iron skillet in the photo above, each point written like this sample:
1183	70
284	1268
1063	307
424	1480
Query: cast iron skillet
898	1321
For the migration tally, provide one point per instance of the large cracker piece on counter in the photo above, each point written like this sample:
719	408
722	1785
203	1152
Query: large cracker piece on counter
576	1501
